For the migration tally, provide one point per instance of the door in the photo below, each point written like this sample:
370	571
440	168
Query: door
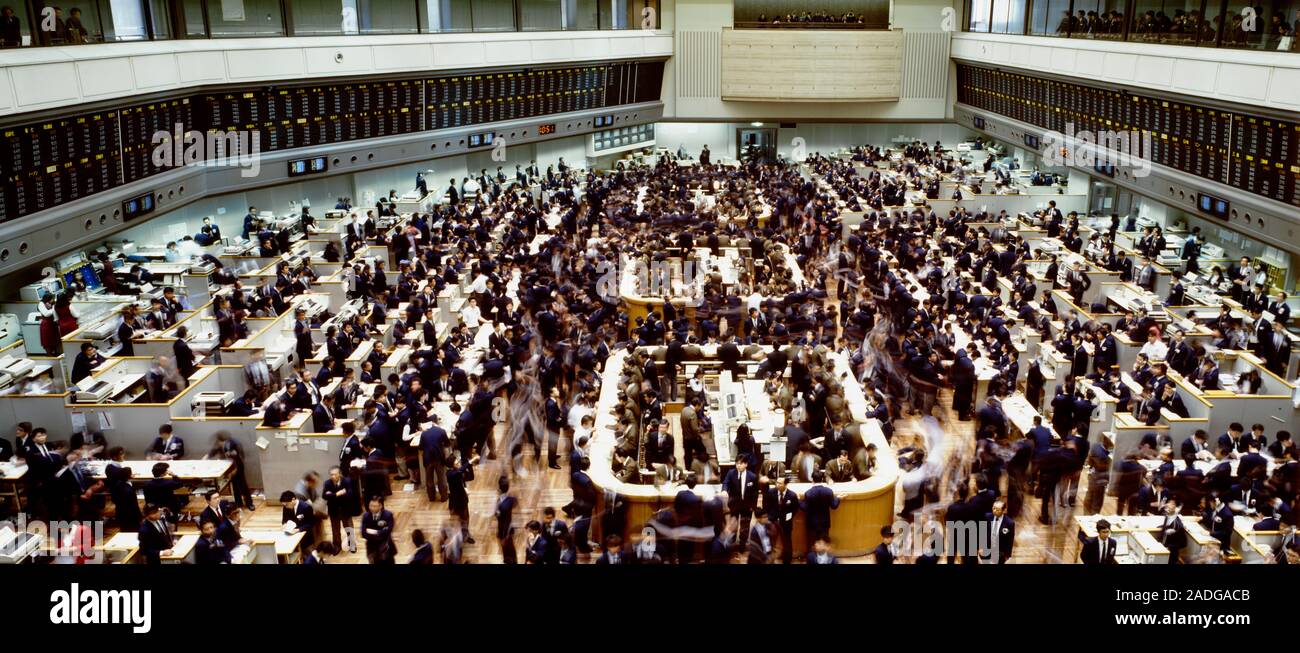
757	142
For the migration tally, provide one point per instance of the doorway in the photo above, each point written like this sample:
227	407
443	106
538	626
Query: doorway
756	142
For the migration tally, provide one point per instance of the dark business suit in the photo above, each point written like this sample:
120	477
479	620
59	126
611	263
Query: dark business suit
781	508
1005	536
1173	535
154	538
380	548
1097	552
742	496
818	502
211	552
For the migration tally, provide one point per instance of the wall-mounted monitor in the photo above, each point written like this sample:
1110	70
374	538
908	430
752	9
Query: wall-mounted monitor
308	166
1212	205
137	206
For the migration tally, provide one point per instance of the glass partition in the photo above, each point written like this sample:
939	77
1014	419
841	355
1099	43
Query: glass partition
581	14
1261	25
1099	19
978	15
244	18
195	27
824	14
383	16
493	15
1049	18
323	17
540	15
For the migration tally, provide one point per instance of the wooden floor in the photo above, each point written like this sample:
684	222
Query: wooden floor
538	488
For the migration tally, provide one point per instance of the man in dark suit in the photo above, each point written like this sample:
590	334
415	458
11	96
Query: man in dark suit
883	554
1107	352
1218	520
1233	440
436	446
1172	533
1001	534
729	357
963	379
794	436
742	492
161	491
126	333
155	539
990	416
166	446
377	530
86	360
213	511
210	550
659	444
299	511
1147	409
781	504
1099	550
818	502
1280	309
1276	349
322	415
821	553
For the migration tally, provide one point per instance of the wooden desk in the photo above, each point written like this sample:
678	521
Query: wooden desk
182	546
191	473
274	547
11	481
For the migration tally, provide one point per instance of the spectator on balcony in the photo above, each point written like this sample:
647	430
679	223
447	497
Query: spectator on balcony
76	31
11	31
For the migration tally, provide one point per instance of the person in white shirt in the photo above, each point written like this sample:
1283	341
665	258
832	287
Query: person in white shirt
479	285
172	254
469	188
1155	348
470	316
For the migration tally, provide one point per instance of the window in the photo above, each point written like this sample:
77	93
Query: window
1050	18
978	16
242	18
540	15
493	15
194	27
447	15
382	16
1098	19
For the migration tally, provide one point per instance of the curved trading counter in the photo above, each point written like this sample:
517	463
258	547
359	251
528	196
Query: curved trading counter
865	506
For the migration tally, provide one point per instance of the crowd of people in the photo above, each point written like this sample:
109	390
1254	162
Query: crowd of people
523	366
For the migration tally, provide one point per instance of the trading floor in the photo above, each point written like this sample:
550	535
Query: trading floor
648	282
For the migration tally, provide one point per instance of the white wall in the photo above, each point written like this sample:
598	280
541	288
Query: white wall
695	17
